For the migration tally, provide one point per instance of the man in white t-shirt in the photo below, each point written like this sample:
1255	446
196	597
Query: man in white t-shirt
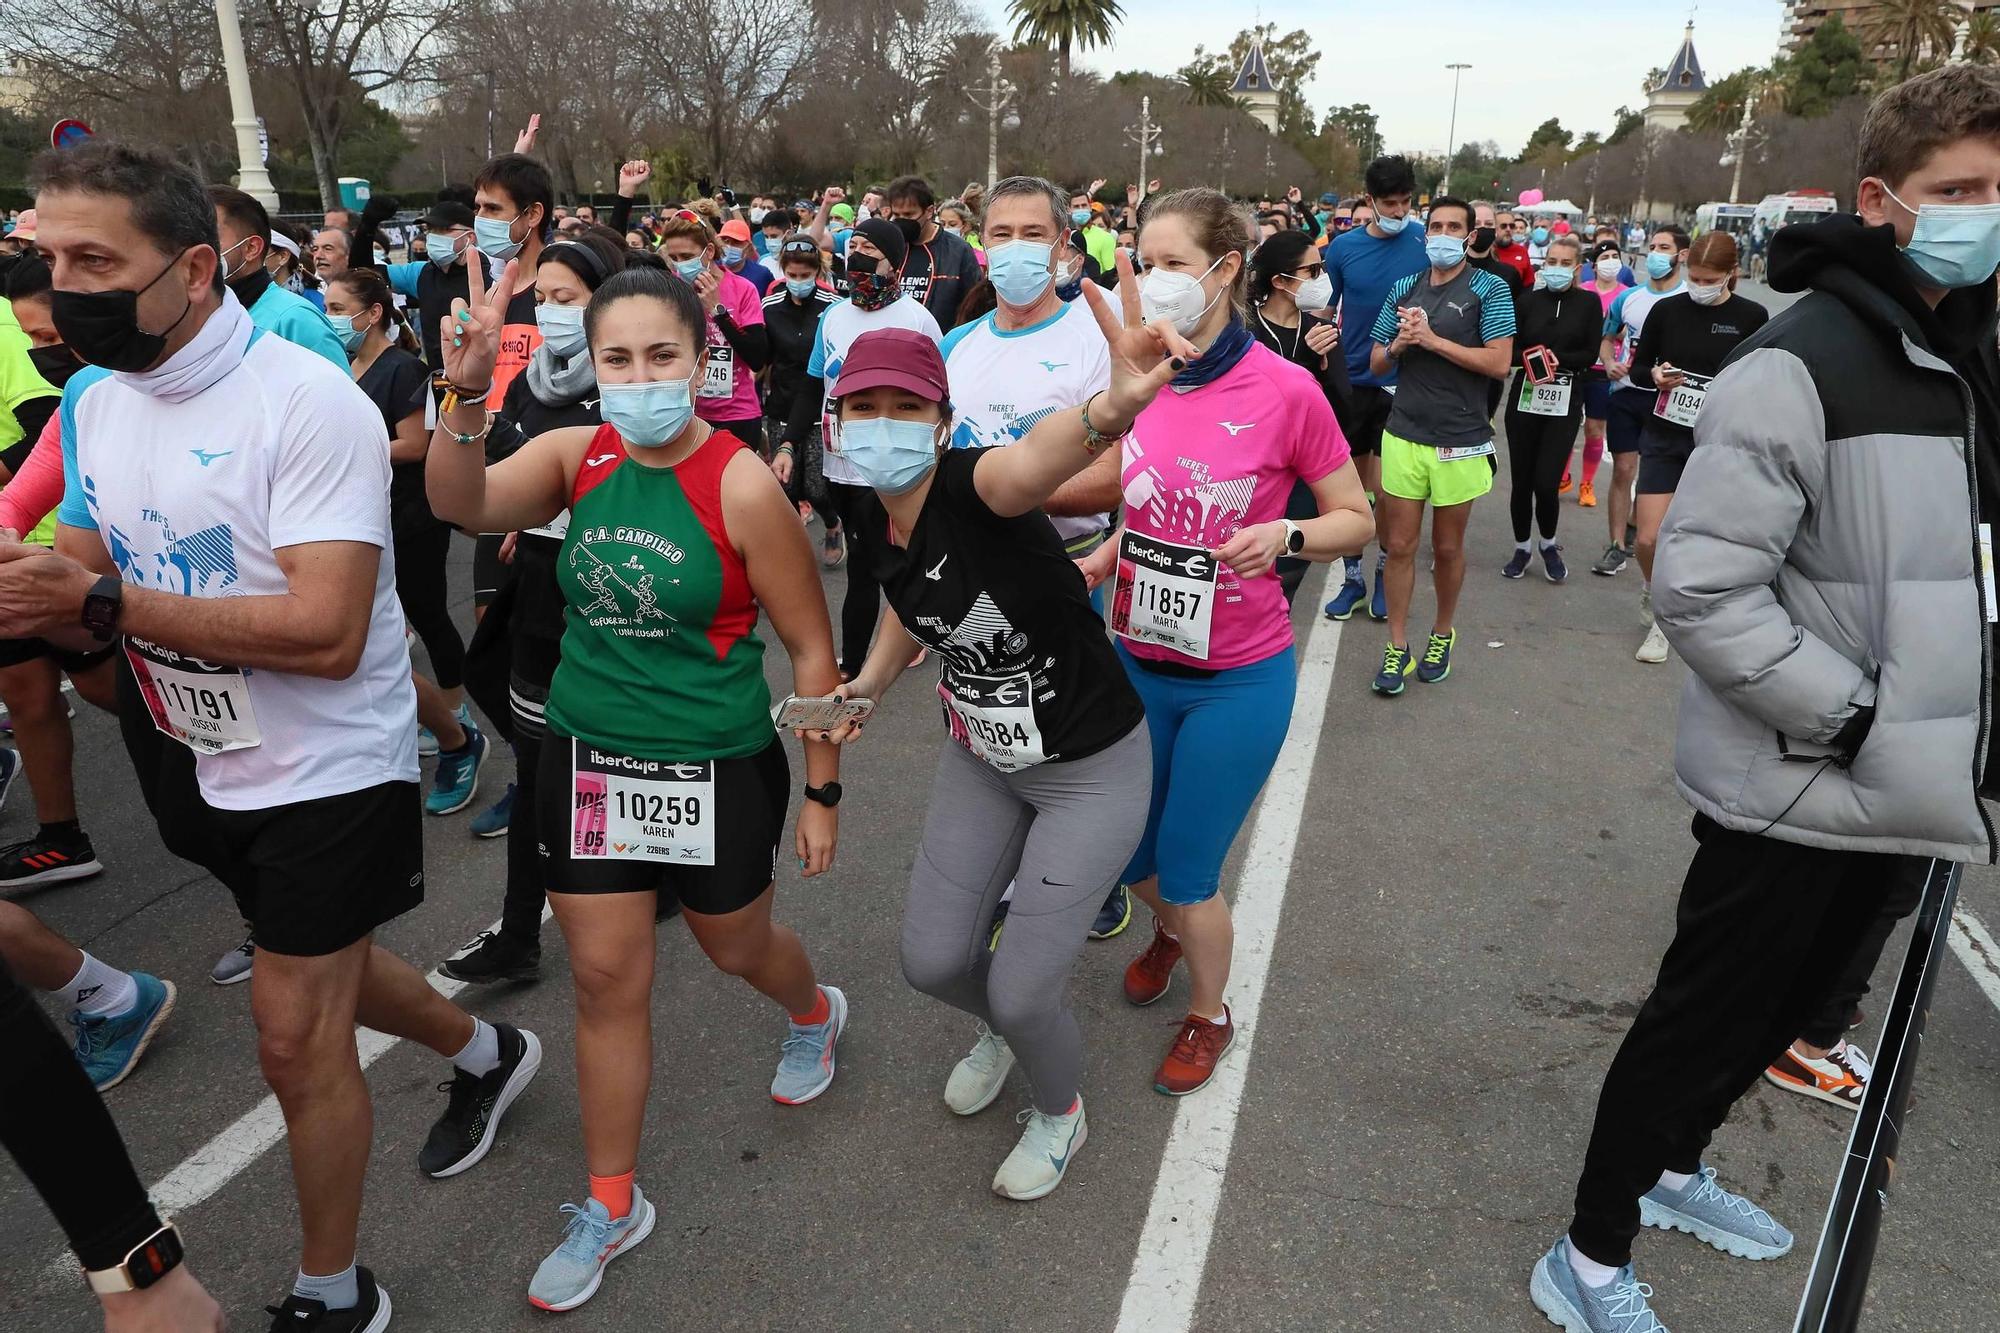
226	510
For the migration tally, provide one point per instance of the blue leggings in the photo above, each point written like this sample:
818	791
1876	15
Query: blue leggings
1214	742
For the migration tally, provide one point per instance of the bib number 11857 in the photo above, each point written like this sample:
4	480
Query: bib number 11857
1164	594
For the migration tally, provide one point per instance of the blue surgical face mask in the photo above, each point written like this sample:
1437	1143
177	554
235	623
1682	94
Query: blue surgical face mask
800	288
690	268
1445	251
1557	278
562	329
892	456
1954	245
1540	235
1391	226
1659	265
732	254
1079	216
495	237
350	337
441	248
1020	271
649	414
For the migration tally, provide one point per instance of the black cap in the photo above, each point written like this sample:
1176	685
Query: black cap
446	214
1603	248
885	236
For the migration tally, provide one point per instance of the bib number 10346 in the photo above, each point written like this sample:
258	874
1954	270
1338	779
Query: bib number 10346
203	706
626	809
1164	593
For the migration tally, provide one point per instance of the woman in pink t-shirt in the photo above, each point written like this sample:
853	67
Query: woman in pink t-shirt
738	344
1202	623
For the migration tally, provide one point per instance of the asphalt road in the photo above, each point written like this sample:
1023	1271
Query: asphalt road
1482	877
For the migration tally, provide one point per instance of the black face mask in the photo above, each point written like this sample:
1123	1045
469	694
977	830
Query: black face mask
54	364
103	327
913	230
1482	239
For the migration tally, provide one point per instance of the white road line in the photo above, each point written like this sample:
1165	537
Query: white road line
1977	950
1165	1282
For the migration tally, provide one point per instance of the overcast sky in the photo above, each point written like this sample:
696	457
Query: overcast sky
1391	55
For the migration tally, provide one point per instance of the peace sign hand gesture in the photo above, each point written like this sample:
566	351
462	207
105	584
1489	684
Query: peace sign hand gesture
524	142
470	337
1144	357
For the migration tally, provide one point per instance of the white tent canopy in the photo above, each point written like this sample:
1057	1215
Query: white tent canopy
1551	208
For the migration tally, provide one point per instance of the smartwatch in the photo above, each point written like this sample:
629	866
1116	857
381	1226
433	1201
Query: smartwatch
101	606
146	1263
1295	537
828	796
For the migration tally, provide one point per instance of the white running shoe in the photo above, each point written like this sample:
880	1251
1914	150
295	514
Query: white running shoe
1654	649
1042	1157
977	1079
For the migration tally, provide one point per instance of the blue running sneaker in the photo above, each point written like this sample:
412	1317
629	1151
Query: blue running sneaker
569	1276
1396	664
456	781
1041	1159
427	743
1378	605
1436	662
1552	563
1353	592
1619	1306
109	1047
1517	564
1706	1211
492	821
1114	916
805	1070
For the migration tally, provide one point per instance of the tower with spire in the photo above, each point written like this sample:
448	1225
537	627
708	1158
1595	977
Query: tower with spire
1254	90
1679	87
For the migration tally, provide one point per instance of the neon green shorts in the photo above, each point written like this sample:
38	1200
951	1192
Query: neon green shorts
1416	472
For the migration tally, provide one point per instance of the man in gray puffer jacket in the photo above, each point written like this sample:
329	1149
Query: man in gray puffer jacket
1819	572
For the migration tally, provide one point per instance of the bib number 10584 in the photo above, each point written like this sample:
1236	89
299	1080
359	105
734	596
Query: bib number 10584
626	809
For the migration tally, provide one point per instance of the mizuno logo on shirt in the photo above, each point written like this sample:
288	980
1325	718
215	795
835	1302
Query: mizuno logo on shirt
203	457
1053	366
934	573
1236	430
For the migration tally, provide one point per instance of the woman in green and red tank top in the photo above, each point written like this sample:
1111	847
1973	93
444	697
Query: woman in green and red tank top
659	723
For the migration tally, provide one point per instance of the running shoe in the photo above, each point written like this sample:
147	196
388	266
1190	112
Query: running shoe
1856	1019
492	821
369	1315
1517	564
1114	916
805	1070
1378	604
1553	567
592	1239
1396	664
1631	536
1708	1212
1568	483
236	965
1191	1060
833	548
427	743
48	858
1148	976
456	781
977	1079
471	1119
1653	648
494	955
1839	1077
1353	592
1619	1306
109	1046
1042	1157
1614	559
1436	662
1586	496
10	768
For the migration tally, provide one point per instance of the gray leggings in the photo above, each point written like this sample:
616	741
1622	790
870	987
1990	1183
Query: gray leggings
1060	832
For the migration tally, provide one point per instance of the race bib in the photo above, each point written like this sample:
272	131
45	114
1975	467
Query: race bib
557	527
994	717
626	809
719	380
1452	453
1682	404
203	706
1550	399
1164	593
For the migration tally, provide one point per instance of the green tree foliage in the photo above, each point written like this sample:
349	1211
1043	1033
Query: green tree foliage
1065	25
1548	135
1832	66
1916	31
1358	124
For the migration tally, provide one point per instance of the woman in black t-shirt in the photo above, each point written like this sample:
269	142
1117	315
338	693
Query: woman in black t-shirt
1046	773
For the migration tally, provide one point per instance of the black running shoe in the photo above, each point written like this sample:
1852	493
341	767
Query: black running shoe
472	1118
494	955
49	859
369	1315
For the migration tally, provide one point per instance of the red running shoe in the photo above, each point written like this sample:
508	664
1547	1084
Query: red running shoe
1191	1060
1148	975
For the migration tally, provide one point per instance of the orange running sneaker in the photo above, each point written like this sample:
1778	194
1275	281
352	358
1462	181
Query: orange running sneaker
1569	483
1587	497
1191	1060
1148	975
1841	1077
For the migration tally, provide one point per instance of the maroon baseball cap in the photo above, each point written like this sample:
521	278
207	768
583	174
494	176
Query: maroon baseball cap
894	358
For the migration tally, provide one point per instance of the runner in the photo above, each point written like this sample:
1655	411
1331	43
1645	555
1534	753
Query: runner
1481	252
307	767
738	257
1204	635
557	391
738	346
116	1014
874	301
1631	405
1446	332
1602	266
940	268
1544	401
1687	338
659	717
792	314
1046	767
246	235
1362	264
332	249
1500	248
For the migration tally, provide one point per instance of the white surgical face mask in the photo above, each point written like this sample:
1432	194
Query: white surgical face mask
1704	294
1166	294
1607	268
1315	293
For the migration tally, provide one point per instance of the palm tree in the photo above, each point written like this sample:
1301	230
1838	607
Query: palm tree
1065	24
1914	28
1208	84
1982	38
1720	109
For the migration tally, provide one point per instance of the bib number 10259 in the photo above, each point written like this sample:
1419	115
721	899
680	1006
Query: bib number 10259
627	809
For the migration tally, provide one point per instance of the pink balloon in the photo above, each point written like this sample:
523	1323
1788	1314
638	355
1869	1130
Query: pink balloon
1529	198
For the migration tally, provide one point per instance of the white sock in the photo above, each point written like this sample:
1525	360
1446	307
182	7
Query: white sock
100	990
1674	1180
1588	1271
1544	543
337	1291
1522	546
481	1055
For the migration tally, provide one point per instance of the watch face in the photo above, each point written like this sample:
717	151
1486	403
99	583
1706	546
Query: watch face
155	1259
